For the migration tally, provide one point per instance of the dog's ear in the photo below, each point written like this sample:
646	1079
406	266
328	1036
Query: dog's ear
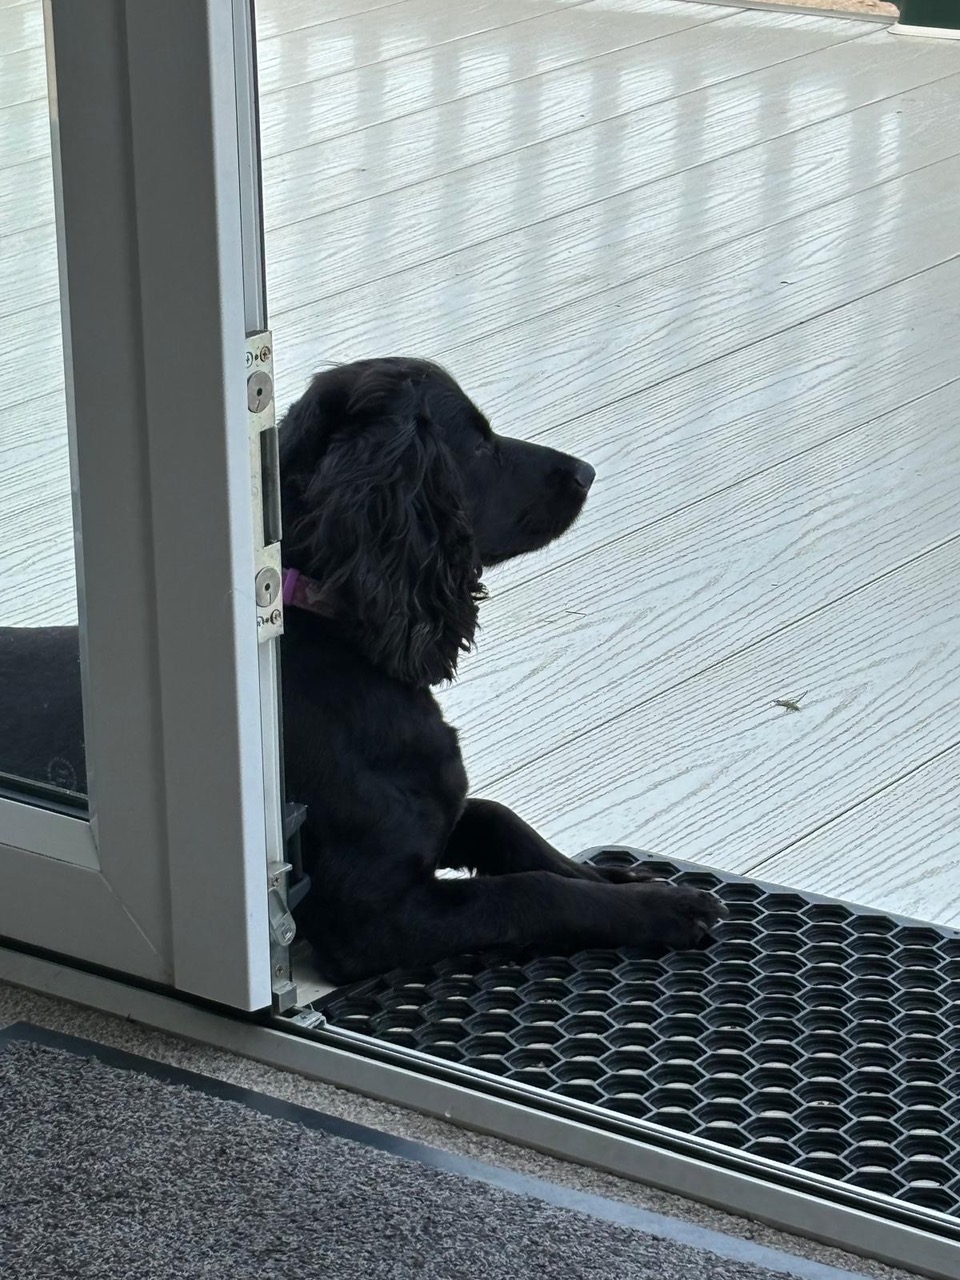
374	510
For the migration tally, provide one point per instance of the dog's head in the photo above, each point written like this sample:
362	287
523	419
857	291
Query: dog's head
396	495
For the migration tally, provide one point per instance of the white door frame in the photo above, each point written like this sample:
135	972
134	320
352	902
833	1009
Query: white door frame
154	120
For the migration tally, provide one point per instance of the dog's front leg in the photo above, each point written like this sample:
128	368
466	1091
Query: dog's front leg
532	909
491	840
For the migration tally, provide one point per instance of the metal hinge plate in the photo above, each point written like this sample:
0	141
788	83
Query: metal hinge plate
265	478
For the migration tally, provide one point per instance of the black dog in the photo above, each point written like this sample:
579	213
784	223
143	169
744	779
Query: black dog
396	496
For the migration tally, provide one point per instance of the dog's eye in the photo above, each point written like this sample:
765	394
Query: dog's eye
484	447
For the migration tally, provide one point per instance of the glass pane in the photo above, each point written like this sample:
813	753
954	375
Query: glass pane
634	232
41	729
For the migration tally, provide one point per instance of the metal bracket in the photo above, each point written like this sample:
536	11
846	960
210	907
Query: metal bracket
282	927
287	885
265	478
309	1018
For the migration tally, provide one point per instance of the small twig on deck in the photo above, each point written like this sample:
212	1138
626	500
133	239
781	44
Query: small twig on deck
790	704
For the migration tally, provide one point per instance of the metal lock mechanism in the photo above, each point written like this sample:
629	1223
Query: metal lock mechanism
282	926
265	477
267	584
259	391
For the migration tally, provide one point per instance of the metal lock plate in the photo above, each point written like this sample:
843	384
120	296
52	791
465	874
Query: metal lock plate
265	478
259	391
267	583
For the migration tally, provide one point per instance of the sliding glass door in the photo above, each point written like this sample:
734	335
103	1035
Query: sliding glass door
140	811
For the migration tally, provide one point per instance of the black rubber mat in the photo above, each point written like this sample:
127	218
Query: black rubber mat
822	1036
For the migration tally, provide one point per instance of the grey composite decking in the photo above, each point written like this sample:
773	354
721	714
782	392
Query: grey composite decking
717	252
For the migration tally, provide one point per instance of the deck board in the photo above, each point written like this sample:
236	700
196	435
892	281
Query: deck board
22	29
280	17
713	115
529	188
715	578
440	303
720	424
902	842
716	252
314	52
478	96
717	773
650	327
21	70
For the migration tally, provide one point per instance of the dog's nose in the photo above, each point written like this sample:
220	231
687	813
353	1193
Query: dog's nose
583	475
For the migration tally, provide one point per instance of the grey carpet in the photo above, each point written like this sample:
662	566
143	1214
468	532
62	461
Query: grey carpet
116	1174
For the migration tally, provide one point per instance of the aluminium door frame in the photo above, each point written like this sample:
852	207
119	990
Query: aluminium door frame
157	178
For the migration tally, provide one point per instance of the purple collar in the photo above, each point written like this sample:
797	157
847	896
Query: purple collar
301	592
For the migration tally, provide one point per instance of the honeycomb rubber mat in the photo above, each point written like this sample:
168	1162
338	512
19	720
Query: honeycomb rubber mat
818	1035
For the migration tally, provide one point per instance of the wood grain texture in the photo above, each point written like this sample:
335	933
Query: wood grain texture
39	342
21	28
896	850
26	181
28	276
20	75
513	291
294	118
438	305
750	409
661	136
24	135
633	620
278	17
477	211
716	773
26	197
653	326
569	67
37	570
702	432
357	40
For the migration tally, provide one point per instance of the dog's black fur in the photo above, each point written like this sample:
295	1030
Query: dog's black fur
396	496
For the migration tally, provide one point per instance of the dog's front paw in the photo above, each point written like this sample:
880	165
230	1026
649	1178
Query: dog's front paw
677	917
